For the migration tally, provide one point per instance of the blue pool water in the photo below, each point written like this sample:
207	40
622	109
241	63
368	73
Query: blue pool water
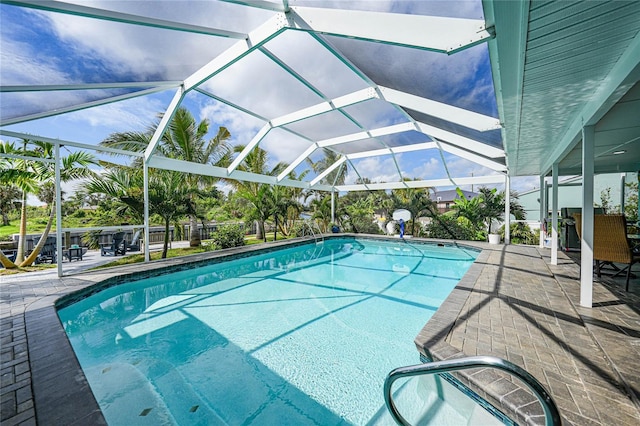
302	335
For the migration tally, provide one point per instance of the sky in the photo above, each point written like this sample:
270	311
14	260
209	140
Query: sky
38	47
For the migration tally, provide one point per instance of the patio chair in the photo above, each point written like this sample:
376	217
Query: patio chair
117	246
610	243
48	251
134	245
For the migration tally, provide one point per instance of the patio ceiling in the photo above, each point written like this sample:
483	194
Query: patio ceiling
408	90
562	65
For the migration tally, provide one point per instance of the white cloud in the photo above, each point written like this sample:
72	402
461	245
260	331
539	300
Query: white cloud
283	146
122	49
524	183
135	114
430	169
377	169
241	126
21	65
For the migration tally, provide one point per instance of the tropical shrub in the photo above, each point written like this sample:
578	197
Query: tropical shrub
358	217
227	236
300	229
450	227
522	234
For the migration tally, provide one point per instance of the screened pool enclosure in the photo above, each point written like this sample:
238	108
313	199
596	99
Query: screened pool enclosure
406	94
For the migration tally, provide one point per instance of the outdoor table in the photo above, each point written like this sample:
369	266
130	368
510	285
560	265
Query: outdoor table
74	253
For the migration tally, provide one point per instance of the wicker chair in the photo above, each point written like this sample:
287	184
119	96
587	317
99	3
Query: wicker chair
610	243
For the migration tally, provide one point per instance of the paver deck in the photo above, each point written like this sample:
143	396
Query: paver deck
511	304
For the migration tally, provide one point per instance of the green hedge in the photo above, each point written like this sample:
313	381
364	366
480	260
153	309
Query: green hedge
227	236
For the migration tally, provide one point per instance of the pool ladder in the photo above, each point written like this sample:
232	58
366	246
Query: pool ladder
313	233
552	415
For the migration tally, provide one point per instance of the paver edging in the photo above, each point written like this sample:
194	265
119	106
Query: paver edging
56	370
432	345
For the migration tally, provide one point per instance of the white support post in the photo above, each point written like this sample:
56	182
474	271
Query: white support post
554	215
507	209
586	246
145	173
59	255
543	214
623	177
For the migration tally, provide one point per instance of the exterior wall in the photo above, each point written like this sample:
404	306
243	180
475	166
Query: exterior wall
571	196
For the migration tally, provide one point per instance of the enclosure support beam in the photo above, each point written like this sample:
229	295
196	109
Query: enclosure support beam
164	122
623	177
507	209
438	34
554	214
586	246
145	174
58	210
542	210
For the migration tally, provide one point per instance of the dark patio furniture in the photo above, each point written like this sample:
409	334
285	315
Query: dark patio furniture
117	246
134	245
48	251
74	253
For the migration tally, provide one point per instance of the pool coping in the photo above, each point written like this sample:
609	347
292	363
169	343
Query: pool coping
513	399
57	377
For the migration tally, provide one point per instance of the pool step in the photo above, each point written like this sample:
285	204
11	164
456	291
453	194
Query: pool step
164	399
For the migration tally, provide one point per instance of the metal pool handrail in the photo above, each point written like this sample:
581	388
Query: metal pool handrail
552	415
313	234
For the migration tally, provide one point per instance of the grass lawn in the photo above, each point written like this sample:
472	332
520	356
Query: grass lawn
155	255
139	258
7	231
32	268
177	252
251	239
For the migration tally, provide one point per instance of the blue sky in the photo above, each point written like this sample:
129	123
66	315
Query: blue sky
47	48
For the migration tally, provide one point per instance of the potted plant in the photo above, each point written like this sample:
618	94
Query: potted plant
492	210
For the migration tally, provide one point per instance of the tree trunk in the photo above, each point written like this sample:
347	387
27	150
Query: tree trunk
165	247
5	219
259	230
23	229
4	261
43	239
194	237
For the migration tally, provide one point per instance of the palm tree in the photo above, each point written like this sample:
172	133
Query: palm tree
288	205
31	175
122	184
494	203
336	176
416	200
183	140
259	195
17	172
74	166
321	211
169	198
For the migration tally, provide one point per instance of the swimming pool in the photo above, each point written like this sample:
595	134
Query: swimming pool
301	335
